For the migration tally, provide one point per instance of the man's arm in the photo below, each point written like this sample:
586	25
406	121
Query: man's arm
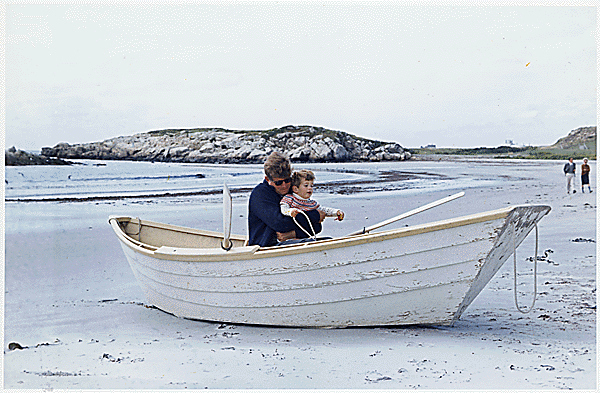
265	206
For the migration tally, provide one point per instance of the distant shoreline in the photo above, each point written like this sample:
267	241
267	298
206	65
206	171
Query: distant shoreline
502	152
304	144
579	144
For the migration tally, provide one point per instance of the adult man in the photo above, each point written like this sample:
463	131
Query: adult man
266	224
569	170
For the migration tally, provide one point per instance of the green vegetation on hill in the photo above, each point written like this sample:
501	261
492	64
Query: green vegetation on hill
580	143
186	130
534	153
312	131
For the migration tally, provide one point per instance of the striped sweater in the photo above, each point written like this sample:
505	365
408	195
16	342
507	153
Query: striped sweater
295	201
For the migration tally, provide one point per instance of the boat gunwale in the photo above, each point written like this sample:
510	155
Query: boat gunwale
176	228
251	252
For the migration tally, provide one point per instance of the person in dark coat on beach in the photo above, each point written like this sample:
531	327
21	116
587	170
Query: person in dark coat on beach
585	175
266	225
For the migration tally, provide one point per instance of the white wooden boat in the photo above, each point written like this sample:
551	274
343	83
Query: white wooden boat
423	274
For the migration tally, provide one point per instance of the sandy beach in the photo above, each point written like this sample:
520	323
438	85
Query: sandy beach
75	317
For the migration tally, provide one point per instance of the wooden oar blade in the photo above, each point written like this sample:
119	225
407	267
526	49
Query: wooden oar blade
226	218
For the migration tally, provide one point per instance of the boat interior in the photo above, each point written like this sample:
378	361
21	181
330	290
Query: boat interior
152	236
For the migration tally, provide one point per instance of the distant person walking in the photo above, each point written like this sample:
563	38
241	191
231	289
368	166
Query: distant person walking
585	175
569	170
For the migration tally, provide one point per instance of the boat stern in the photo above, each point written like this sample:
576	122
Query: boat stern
518	224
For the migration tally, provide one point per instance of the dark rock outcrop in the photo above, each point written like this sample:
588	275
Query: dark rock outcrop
14	157
216	145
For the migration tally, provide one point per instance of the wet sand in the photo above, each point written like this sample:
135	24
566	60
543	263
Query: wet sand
78	320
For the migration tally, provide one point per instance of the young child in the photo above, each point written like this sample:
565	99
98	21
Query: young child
302	187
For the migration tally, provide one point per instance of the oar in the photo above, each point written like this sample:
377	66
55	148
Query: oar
408	214
226	244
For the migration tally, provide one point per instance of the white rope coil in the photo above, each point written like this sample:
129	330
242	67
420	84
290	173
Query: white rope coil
314	235
139	236
534	269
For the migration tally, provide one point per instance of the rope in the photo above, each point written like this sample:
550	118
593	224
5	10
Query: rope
226	248
534	269
314	235
138	232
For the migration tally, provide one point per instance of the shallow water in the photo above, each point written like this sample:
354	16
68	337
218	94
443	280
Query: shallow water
42	198
103	180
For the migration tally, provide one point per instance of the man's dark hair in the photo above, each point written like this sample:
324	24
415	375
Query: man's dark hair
278	166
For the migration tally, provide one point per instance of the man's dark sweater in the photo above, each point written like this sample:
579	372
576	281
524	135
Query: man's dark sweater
569	168
265	218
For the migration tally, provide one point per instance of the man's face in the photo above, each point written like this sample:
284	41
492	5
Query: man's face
281	185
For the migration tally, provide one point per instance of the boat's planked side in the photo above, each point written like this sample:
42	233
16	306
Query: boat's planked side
314	276
424	306
157	235
391	269
423	274
329	293
355	254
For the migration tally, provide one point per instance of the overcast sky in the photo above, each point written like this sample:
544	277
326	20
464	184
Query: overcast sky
444	75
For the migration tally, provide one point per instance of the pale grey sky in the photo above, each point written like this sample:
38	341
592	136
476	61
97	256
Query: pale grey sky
448	75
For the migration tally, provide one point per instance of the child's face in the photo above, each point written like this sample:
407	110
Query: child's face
305	189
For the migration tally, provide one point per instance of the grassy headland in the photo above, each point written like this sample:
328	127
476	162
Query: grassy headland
531	152
578	144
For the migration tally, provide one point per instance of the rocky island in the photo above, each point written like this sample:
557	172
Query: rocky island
217	145
16	157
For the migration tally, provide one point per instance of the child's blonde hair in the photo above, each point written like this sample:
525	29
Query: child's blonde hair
299	176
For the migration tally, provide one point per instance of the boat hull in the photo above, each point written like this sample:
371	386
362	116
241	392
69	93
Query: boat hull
426	274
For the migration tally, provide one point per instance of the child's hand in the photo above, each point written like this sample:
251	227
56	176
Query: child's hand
340	215
294	212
